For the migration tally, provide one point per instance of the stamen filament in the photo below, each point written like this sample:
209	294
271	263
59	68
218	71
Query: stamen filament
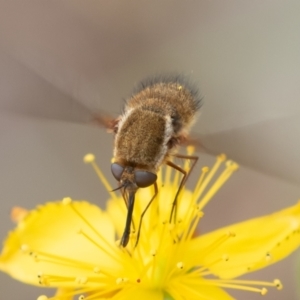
176	269
172	291
99	246
211	173
225	285
203	270
60	260
97	294
187	235
60	263
189	150
109	245
204	171
159	178
212	247
190	229
125	289
275	283
217	185
68	294
146	268
153	267
90	158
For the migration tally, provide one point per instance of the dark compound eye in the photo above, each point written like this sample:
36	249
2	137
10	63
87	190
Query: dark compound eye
117	170
144	178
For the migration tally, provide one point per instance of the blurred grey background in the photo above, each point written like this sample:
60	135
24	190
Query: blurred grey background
58	56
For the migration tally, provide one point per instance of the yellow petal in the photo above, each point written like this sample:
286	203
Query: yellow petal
47	242
248	246
64	294
180	289
136	293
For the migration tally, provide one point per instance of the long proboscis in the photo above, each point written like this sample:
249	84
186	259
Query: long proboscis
126	234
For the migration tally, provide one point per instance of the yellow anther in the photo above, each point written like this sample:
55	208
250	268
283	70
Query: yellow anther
42	297
25	248
278	284
205	169
268	257
231	234
121	280
231	164
200	213
88	158
180	265
225	257
221	157
43	280
190	150
263	291
81	280
66	200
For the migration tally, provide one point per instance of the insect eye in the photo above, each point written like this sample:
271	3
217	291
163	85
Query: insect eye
144	178
117	170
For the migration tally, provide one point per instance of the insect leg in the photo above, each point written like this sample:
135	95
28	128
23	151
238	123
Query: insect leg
143	213
193	158
183	180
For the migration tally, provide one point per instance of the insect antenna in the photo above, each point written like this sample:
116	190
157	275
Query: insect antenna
118	188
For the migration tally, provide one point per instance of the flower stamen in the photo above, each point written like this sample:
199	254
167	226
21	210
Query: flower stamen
187	234
169	260
113	249
107	292
39	256
90	239
66	294
198	192
90	159
217	243
230	168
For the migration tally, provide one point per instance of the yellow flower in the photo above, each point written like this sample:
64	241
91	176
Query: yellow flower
71	245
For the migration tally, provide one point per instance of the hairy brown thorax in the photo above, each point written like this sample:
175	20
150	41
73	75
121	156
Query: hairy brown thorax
156	119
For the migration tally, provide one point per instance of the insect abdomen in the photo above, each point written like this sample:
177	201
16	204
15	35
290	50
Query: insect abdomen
168	95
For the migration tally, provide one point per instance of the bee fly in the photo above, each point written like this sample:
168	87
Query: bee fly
155	121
